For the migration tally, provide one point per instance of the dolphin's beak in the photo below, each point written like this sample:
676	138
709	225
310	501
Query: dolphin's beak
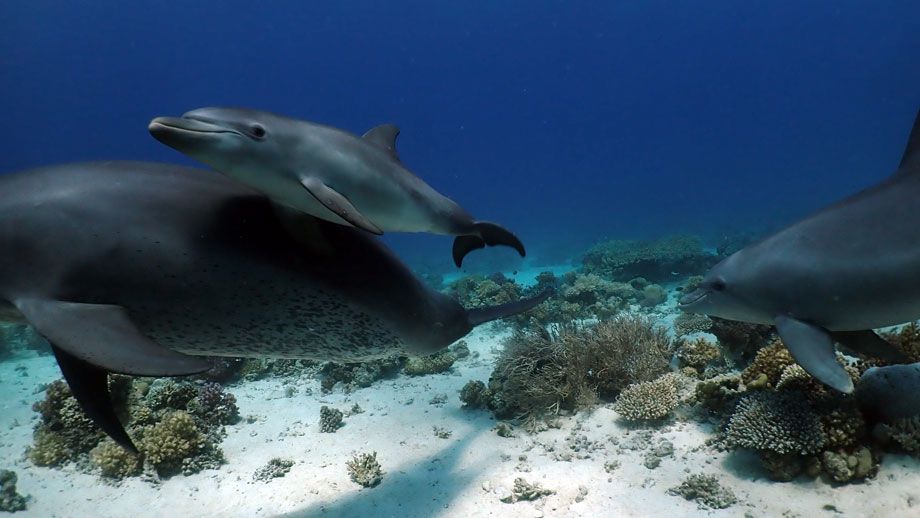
172	125
692	298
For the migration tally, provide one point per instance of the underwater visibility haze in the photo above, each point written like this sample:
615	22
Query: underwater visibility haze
459	259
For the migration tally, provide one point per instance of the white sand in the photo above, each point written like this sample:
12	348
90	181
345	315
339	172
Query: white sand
464	475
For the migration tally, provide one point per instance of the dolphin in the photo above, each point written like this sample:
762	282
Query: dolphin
329	173
832	277
141	268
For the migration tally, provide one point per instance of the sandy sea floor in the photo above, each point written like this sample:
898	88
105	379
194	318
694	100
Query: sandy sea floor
463	475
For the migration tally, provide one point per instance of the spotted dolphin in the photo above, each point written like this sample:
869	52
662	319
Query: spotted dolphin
832	277
140	268
327	172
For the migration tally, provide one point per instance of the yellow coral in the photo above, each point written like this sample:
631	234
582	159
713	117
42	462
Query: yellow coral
170	441
114	461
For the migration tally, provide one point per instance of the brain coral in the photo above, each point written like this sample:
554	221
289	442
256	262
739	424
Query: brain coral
775	422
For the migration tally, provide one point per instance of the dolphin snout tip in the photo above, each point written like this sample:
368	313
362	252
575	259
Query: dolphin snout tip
689	298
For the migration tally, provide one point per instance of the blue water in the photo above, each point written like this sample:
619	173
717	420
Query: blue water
565	121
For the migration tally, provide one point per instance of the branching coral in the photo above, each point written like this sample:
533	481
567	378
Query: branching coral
64	431
10	500
539	373
706	491
364	469
655	260
768	365
115	461
775	422
168	443
649	400
275	468
697	353
330	419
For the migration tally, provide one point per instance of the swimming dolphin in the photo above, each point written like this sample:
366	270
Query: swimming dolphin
326	172
834	276
136	268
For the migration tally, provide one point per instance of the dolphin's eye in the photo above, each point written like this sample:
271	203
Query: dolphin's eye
257	131
718	285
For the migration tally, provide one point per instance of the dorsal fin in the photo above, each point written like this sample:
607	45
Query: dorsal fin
384	136
911	158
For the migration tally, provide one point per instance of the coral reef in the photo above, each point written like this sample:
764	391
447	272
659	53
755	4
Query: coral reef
904	432
475	395
10	500
64	432
649	400
654	260
742	339
330	419
525	491
697	354
775	422
355	375
842	466
768	366
364	469
168	443
431	364
275	468
689	323
719	394
706	491
907	340
115	461
477	291
541	373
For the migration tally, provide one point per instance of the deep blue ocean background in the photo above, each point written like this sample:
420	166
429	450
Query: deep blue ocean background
567	122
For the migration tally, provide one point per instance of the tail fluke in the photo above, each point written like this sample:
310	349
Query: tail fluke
485	234
482	315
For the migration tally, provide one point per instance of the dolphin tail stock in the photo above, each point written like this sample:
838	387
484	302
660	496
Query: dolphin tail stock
483	234
487	314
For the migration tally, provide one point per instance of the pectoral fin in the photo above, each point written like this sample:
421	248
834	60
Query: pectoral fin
339	204
870	344
91	340
813	348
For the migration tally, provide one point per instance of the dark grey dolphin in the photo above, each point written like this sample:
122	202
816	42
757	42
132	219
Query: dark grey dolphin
326	172
133	268
834	276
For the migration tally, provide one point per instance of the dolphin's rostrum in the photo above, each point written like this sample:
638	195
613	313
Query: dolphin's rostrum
139	268
832	277
327	172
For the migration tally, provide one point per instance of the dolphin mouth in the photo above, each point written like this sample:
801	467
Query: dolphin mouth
164	125
692	297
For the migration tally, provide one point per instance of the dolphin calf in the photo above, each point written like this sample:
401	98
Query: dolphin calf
326	172
832	277
137	268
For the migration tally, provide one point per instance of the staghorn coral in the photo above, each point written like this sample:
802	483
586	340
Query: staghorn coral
114	461
768	366
539	373
276	468
775	422
431	364
10	500
655	260
689	323
706	491
168	443
364	469
649	400
330	419
697	353
525	491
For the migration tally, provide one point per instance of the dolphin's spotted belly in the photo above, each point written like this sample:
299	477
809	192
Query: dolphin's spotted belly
262	321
